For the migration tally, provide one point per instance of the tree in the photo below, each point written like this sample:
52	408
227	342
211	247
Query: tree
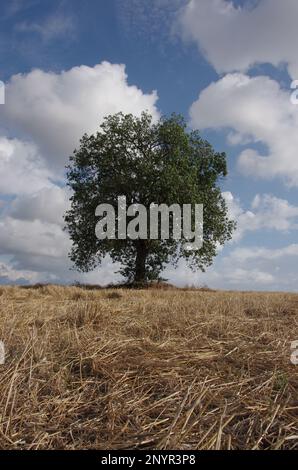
146	162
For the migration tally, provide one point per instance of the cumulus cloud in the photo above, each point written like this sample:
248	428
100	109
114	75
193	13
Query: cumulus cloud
9	275
266	212
247	268
56	109
253	110
38	252
273	268
250	267
235	38
227	273
47	205
34	238
254	277
245	254
49	112
22	170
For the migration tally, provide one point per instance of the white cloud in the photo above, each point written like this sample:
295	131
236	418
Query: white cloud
22	171
46	205
38	252
227	273
245	254
272	268
53	27
56	109
275	213
249	276
9	275
250	267
49	112
253	110
235	38
266	212
257	110
34	238
247	268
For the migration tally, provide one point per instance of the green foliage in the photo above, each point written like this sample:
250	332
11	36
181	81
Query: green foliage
146	162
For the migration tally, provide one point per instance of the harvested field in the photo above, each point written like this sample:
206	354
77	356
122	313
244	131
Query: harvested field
147	369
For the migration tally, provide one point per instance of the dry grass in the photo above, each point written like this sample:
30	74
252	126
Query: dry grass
147	369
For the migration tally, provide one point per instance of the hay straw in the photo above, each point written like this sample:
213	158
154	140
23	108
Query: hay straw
147	369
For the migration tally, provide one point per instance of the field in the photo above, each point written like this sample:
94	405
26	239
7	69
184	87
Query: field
147	369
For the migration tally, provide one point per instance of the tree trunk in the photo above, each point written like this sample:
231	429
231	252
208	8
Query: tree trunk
140	270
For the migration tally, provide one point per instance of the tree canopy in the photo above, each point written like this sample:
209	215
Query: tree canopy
147	162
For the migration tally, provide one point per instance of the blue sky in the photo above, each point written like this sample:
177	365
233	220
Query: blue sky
227	66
